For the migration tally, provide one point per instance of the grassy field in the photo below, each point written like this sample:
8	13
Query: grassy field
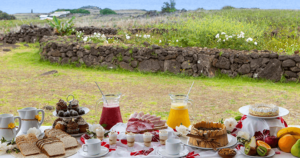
22	86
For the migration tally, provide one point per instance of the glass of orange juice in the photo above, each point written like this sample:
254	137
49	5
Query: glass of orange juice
179	113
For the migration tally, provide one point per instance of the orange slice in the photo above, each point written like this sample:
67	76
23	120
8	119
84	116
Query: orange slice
264	144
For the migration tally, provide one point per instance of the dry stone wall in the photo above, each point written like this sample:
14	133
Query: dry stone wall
191	61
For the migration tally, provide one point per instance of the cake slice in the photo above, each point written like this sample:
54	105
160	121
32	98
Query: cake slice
51	147
27	144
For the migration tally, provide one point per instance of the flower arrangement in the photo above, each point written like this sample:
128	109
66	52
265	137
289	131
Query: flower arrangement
230	124
35	131
38	117
8	147
92	131
182	131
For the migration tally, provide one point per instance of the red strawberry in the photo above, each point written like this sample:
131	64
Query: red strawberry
124	141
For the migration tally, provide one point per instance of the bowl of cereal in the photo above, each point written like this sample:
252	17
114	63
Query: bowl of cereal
227	153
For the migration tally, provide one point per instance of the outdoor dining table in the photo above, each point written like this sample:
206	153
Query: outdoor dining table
121	150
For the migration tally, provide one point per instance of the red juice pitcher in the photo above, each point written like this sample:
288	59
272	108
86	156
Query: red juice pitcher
111	113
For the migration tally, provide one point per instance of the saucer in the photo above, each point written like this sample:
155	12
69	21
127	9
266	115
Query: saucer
164	153
103	152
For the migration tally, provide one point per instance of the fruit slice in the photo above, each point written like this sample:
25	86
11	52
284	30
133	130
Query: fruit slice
286	142
250	149
288	130
262	151
265	145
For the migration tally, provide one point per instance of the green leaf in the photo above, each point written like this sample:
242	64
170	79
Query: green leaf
104	125
3	140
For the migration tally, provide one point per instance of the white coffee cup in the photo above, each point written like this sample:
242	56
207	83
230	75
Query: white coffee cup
173	146
92	146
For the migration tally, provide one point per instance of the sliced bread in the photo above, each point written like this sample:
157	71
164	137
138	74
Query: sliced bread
51	147
27	144
68	140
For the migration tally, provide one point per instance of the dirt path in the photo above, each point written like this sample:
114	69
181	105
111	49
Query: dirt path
22	86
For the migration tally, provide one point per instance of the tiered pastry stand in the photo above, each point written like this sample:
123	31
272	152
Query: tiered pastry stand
86	110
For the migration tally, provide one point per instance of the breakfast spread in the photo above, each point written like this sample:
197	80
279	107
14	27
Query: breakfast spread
264	110
140	122
208	135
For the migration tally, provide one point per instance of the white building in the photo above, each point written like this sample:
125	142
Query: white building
60	14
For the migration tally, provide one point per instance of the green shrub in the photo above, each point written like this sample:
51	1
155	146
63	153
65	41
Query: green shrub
228	7
107	11
63	28
82	11
168	7
5	16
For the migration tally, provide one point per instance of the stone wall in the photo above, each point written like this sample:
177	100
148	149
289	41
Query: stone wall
191	61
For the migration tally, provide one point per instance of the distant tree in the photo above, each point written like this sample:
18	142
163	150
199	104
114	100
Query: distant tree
228	7
107	11
168	7
82	11
5	16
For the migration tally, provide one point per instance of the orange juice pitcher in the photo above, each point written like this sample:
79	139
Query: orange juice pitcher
179	113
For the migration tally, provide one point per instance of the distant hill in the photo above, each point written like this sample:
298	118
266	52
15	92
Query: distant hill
5	16
90	7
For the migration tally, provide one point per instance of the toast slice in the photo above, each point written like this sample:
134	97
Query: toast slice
51	147
27	144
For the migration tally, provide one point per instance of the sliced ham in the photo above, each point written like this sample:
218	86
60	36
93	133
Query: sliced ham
159	123
137	125
140	115
145	116
155	119
133	115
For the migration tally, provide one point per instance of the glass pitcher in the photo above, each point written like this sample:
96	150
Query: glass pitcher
111	113
179	113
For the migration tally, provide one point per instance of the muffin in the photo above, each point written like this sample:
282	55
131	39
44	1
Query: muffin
82	125
73	105
61	125
67	120
81	112
61	105
55	121
72	128
67	114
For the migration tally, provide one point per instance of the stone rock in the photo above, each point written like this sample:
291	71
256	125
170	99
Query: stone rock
172	66
64	61
49	73
134	63
146	44
223	63
242	59
54	59
272	71
265	61
291	80
155	46
296	58
273	55
283	57
127	59
186	65
90	60
295	69
149	65
180	59
48	107
248	75
6	50
255	64
188	72
288	63
244	69
290	74
79	54
74	59
108	65
55	53
125	66
109	58
69	53
204	65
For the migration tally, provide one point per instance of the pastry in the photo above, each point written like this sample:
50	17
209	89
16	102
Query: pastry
68	140
72	127
61	105
81	112
51	146
73	105
67	120
264	110
27	144
73	113
55	121
61	113
208	135
61	125
67	114
82	125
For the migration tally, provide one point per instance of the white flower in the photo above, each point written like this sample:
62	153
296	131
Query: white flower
223	33
148	36
137	35
255	43
219	40
95	33
249	39
230	124
3	148
94	127
226	36
85	39
106	41
217	36
10	147
229	36
140	35
34	131
103	36
224	40
182	130
244	135
242	33
127	37
176	40
159	41
227	39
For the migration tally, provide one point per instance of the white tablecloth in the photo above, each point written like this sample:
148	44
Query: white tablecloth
121	151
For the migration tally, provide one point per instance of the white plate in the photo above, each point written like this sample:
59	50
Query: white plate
163	153
103	152
271	153
231	139
87	110
245	110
